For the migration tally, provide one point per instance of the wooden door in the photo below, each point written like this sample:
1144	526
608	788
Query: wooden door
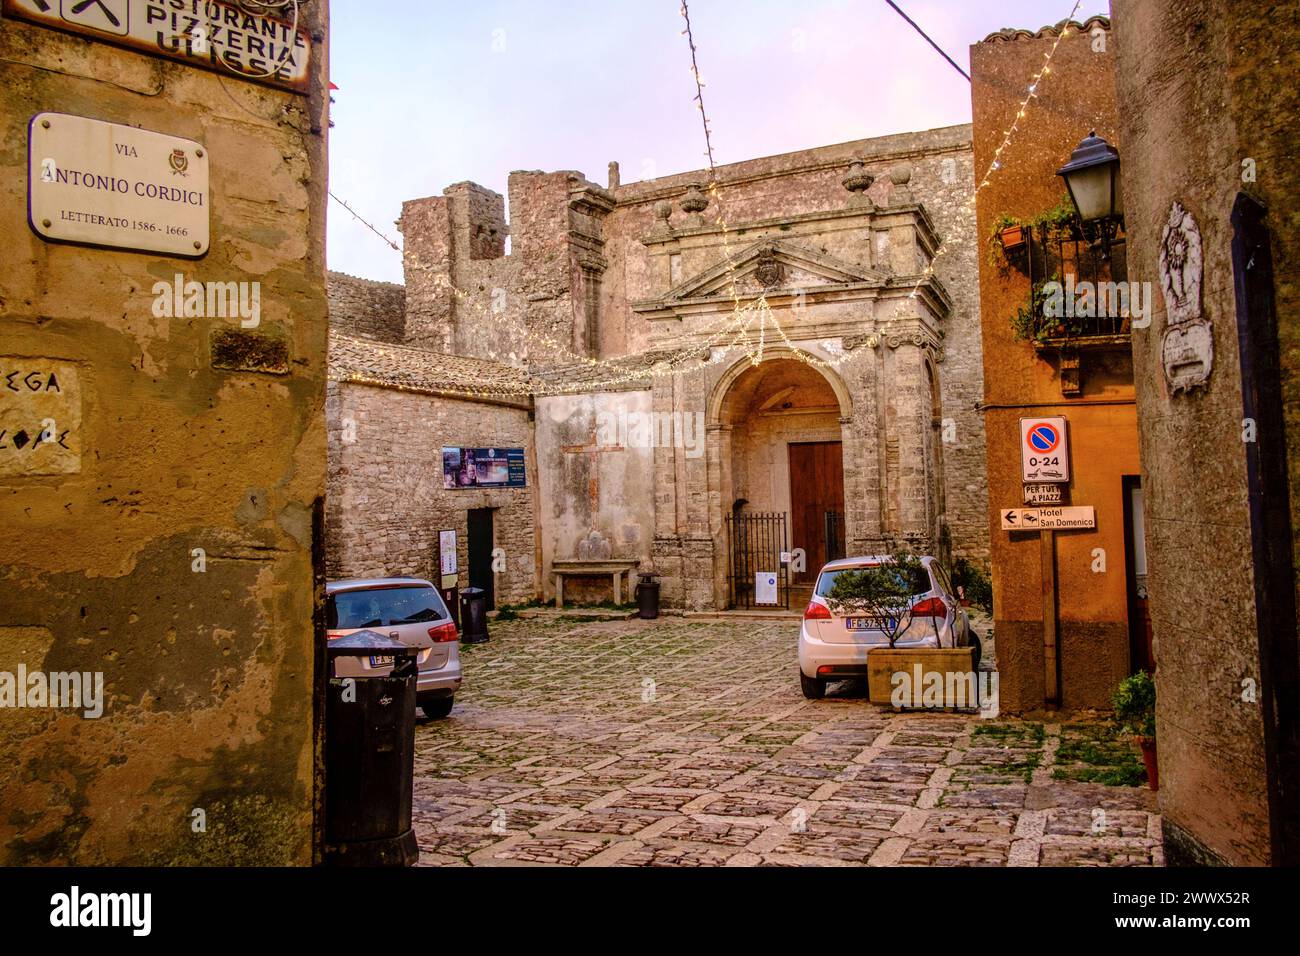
816	488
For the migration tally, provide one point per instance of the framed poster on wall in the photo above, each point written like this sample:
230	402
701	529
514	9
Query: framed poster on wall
483	468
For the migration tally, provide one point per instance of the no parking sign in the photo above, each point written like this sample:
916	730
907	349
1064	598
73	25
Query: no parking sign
1044	450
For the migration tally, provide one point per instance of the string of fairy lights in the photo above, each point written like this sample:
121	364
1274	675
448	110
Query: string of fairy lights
745	328
996	163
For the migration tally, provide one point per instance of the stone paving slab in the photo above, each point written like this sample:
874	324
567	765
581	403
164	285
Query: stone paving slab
686	742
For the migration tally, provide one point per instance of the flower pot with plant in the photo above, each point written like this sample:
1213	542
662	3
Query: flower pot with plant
1134	701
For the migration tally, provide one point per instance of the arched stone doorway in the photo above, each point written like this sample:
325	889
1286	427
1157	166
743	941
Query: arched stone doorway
778	462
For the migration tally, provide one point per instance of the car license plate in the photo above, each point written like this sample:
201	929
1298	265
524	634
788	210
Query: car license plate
382	660
869	623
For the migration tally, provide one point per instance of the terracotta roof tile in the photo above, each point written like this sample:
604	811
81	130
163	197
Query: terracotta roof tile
1051	30
353	359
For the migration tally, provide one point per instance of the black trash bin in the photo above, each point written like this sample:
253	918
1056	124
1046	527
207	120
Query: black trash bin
473	616
370	755
647	596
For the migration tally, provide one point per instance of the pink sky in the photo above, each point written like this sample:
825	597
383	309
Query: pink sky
432	93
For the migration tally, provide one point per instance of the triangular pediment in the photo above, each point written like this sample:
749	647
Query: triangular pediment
770	265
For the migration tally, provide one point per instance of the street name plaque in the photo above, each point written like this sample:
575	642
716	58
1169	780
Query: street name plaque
105	184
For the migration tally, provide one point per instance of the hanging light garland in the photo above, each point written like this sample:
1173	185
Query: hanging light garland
996	163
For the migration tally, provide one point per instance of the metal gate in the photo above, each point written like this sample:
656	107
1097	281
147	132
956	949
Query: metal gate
834	535
757	542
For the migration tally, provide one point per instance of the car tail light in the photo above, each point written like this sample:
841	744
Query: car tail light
333	635
816	612
444	633
930	607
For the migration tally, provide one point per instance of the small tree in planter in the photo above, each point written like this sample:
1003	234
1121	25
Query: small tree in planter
1134	701
883	591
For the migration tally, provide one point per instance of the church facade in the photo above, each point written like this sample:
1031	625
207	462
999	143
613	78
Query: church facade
721	382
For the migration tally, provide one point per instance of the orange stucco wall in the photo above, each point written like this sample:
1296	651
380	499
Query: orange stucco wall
1092	606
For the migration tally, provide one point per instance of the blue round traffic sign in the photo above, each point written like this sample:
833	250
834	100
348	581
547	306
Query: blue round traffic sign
1043	437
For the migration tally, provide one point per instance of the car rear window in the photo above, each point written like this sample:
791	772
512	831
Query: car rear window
920	582
384	607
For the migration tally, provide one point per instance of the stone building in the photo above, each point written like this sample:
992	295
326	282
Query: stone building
1069	606
391	410
172	546
1205	90
832	412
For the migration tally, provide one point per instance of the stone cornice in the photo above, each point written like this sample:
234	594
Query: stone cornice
930	291
877	218
630	194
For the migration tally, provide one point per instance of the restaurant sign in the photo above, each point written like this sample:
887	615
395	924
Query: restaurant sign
203	33
105	184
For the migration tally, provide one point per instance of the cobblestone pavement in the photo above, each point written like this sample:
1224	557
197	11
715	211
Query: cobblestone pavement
686	742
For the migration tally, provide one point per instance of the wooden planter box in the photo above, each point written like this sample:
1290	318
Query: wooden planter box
884	662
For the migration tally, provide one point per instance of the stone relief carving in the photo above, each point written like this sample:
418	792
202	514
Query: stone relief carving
769	271
1187	346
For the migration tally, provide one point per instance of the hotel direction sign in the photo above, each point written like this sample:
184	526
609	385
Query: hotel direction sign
204	33
1049	519
104	184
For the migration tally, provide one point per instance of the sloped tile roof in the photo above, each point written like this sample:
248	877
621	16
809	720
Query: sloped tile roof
1051	30
403	367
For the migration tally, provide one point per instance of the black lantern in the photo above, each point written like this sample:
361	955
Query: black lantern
1092	177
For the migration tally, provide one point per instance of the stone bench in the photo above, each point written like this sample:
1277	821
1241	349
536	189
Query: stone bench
591	568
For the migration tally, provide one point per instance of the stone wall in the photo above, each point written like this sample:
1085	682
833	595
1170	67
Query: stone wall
773	196
386	502
1206	91
373	310
174	555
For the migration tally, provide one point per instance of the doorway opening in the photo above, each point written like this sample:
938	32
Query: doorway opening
781	462
482	536
1141	657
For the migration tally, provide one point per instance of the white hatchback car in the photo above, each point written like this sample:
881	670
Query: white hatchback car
410	610
834	646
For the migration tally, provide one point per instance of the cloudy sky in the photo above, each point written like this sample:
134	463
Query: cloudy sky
432	92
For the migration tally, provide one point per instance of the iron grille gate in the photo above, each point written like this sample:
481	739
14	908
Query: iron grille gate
834	535
757	541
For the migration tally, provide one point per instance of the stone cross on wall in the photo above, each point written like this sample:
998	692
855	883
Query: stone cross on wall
593	448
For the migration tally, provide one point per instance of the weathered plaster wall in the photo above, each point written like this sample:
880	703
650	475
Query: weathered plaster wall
1078	95
208	676
386	502
1203	86
596	474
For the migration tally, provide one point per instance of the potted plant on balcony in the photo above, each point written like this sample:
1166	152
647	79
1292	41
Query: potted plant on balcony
1009	242
1134	701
